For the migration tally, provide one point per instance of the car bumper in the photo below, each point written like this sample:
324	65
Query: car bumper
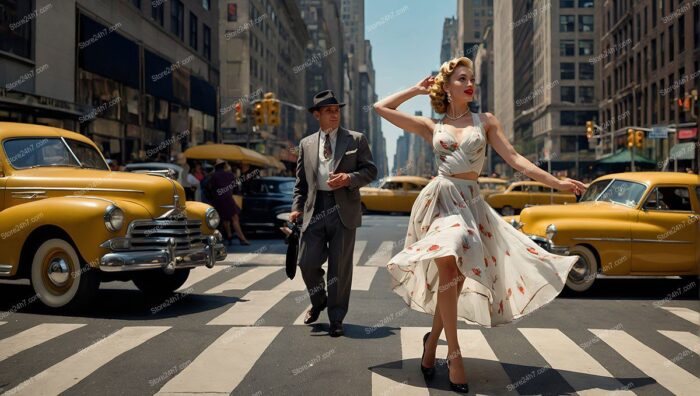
168	259
548	245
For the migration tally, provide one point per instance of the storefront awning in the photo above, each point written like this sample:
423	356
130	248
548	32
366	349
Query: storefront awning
625	157
228	152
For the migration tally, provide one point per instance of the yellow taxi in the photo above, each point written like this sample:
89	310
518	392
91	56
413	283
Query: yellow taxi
522	194
394	194
634	223
491	185
68	223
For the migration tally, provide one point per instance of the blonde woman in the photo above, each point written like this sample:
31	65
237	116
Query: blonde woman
460	258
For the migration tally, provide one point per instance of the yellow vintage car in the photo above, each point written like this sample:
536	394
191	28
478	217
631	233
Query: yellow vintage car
394	194
491	185
634	223
68	223
522	194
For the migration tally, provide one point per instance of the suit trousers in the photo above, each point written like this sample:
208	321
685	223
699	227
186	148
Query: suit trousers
326	238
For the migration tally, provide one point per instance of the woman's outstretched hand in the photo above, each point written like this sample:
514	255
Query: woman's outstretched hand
571	185
424	86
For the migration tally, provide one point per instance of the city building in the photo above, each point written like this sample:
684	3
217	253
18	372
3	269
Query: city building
263	49
472	18
649	55
140	78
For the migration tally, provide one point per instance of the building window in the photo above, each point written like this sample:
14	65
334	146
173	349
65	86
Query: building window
206	4
17	41
585	94
193	31
568	118
567	48
206	37
585	23
585	3
585	47
566	3
566	23
568	71
585	71
568	94
670	44
177	19
136	3
157	12
653	54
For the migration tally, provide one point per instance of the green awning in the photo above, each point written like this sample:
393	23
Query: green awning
683	151
625	157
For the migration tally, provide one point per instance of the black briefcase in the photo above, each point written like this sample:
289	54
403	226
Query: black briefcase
292	232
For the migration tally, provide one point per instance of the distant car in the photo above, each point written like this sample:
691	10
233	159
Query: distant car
263	199
522	194
491	185
633	223
393	194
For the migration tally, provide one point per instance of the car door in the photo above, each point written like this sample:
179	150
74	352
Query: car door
256	204
665	235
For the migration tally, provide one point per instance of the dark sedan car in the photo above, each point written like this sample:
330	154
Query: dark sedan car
263	199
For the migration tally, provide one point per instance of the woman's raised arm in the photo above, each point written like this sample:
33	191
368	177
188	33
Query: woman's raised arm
386	108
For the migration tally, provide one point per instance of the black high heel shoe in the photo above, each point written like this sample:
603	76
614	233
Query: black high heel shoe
428	372
459	388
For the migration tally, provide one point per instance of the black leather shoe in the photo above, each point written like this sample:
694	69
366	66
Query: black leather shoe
314	312
336	329
459	388
428	372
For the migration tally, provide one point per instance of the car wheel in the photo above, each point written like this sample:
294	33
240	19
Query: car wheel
583	274
507	211
158	283
59	278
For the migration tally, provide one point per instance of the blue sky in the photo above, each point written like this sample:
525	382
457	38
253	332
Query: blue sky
406	36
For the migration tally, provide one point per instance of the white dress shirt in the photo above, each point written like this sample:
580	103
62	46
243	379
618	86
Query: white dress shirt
325	166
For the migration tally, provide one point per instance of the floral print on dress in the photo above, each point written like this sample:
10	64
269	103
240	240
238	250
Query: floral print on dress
501	290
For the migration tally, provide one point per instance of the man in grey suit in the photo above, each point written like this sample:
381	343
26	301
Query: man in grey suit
333	164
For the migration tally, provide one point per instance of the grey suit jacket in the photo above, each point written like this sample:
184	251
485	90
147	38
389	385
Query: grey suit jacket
352	155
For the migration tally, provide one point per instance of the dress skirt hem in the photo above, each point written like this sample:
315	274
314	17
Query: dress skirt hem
506	275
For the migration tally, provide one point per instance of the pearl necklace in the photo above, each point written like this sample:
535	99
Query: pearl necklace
458	117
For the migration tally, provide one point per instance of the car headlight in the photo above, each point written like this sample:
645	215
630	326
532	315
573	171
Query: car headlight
212	218
551	231
114	218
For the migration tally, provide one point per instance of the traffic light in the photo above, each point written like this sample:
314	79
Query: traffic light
273	112
630	138
240	117
259	113
589	129
639	139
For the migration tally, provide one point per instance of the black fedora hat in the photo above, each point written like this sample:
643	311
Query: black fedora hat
324	98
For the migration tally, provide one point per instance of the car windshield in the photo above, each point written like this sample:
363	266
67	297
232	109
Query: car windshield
618	191
44	152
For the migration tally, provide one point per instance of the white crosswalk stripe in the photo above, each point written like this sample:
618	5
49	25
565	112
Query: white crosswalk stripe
244	280
221	367
685	313
32	337
250	308
561	353
199	274
689	340
382	255
65	374
650	362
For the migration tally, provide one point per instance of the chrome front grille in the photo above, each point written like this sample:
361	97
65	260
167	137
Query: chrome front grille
155	234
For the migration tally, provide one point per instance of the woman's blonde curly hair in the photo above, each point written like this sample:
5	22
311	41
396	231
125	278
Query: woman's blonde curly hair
438	96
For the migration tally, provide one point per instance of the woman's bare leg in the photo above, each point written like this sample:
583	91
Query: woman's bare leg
227	228
448	293
432	342
237	228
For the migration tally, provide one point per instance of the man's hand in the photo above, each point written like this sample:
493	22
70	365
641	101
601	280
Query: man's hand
337	180
294	215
